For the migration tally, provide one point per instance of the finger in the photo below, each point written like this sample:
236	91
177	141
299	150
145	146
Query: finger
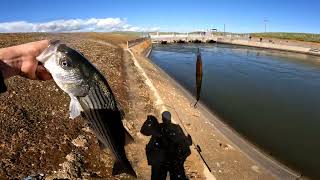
42	73
40	46
32	48
28	67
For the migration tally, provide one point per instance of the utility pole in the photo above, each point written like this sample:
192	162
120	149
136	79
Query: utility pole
224	29
265	20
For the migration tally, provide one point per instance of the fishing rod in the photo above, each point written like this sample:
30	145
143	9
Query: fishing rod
198	90
198	84
196	146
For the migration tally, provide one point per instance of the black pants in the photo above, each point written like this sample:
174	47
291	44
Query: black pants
176	171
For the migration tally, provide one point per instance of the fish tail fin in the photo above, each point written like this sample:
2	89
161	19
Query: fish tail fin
123	167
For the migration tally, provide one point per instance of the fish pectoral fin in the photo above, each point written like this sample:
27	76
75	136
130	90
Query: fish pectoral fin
123	167
75	107
128	138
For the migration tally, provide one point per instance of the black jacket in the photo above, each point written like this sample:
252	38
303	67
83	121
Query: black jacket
3	87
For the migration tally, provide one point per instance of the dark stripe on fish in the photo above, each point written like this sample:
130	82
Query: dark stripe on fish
95	110
89	112
99	96
96	98
95	118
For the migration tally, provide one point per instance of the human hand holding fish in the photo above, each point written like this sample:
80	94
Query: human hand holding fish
21	60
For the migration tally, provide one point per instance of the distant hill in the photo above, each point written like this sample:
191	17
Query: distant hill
290	36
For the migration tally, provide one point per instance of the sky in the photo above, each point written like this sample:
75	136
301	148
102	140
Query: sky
242	16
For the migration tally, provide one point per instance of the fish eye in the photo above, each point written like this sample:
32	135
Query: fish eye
65	63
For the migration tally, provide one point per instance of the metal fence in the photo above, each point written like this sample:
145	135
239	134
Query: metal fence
136	41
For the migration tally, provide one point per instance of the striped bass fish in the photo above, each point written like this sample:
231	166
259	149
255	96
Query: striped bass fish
91	96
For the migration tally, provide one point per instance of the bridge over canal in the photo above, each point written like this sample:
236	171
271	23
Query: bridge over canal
170	38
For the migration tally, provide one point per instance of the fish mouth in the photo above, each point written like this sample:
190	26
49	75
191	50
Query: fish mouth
54	42
49	51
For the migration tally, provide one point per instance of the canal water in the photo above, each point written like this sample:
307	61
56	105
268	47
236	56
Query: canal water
270	97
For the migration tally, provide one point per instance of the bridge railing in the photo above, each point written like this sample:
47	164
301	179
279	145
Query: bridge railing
134	42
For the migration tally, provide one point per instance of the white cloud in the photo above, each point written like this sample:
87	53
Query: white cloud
73	25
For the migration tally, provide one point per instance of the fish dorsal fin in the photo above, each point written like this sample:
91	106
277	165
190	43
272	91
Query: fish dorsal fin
75	107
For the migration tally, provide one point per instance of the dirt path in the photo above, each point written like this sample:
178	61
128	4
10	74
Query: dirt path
139	106
193	166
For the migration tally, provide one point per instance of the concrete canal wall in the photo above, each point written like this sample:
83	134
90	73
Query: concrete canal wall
270	45
243	41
